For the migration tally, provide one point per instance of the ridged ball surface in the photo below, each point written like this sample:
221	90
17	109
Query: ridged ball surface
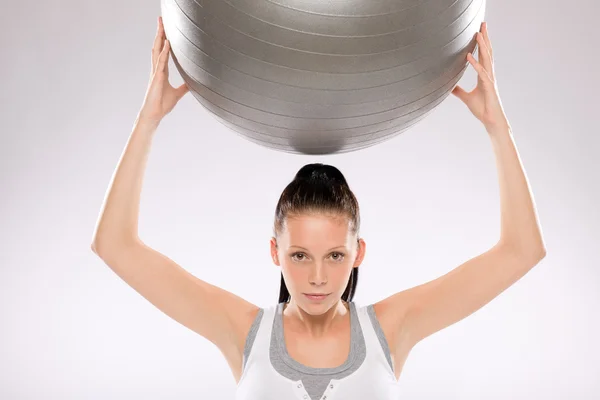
321	77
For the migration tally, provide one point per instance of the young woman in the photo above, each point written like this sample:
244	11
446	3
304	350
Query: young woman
316	343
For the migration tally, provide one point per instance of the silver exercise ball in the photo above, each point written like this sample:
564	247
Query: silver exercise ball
321	77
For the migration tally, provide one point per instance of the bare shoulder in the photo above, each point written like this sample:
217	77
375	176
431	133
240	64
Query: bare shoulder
391	314
218	315
233	347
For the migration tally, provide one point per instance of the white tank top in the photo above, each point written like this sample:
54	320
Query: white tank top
269	373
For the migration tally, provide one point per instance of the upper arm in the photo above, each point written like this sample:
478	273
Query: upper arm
418	312
216	314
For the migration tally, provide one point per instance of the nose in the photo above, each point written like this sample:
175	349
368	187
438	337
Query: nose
317	275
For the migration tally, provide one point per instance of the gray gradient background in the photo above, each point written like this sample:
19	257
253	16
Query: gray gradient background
73	78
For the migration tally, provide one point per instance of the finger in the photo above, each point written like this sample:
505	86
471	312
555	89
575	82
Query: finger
481	72
484	54
460	93
486	36
181	91
158	44
163	59
158	40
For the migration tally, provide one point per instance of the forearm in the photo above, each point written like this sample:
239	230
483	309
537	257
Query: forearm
520	228
117	224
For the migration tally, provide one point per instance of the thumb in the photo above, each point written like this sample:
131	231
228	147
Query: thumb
181	91
461	93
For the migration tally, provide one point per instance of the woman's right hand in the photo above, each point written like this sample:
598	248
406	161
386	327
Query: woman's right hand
161	97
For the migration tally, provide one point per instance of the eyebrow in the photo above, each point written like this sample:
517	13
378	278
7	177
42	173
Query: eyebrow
333	248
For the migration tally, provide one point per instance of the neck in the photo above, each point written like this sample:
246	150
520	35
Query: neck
316	325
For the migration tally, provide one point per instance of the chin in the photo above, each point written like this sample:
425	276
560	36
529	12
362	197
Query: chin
317	307
315	310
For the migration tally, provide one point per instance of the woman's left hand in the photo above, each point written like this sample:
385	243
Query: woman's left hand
484	101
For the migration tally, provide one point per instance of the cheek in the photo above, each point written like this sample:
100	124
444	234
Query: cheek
297	275
293	274
340	274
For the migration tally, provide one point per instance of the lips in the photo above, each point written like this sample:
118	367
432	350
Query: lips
316	296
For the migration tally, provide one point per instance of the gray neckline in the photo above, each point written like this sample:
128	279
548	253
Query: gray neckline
355	337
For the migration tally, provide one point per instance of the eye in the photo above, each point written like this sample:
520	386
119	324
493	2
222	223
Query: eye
298	254
336	256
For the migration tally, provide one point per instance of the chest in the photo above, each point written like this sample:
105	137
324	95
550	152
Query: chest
370	382
327	352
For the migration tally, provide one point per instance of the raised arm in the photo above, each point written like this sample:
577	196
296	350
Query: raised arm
413	314
221	317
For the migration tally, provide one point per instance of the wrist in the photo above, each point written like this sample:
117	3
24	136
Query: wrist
501	128
500	137
146	124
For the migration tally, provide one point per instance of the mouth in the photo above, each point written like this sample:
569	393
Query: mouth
316	296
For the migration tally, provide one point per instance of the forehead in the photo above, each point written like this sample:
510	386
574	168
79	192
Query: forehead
316	231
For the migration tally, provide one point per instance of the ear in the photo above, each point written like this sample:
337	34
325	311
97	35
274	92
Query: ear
360	253
274	251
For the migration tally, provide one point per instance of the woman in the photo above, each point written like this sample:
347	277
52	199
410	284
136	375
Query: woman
316	343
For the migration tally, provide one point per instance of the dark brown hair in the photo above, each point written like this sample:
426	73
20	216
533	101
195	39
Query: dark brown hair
318	188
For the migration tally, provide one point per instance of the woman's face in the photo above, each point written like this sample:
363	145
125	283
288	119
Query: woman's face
316	254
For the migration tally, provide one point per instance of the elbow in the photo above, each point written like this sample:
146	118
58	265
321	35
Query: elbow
531	253
95	244
98	248
536	254
95	247
542	252
536	251
98	242
106	245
